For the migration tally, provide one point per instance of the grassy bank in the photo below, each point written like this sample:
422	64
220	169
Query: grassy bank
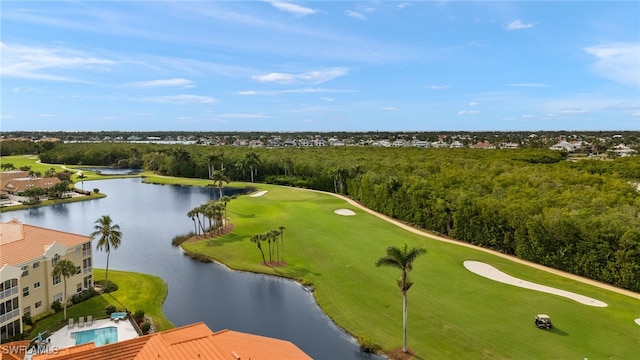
452	312
135	292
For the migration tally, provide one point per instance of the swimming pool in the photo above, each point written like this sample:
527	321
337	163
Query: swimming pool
102	336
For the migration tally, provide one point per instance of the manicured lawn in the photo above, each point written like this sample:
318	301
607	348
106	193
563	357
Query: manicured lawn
19	161
135	292
453	313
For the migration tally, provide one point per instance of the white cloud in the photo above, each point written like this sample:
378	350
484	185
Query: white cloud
355	14
181	99
617	62
439	87
162	83
329	99
42	63
313	77
468	112
47	115
7	116
636	114
295	91
473	103
518	25
389	108
573	111
292	8
242	116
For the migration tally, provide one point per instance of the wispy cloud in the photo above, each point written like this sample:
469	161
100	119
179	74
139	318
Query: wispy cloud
573	111
617	62
292	8
390	108
468	112
179	99
329	99
294	91
162	83
313	77
242	116
474	103
518	25
355	14
46	63
439	87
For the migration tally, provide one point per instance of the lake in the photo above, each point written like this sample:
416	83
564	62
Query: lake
149	217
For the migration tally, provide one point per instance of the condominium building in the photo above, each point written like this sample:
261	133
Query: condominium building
27	257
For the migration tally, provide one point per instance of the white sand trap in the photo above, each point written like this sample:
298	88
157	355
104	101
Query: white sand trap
637	321
259	193
344	212
492	273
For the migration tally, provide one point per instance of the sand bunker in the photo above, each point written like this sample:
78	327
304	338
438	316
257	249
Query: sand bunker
259	193
492	273
637	321
344	212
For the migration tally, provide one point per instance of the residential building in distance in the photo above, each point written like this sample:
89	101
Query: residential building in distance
27	257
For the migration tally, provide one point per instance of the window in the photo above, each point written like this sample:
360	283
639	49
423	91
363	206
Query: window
78	287
58	298
78	270
25	270
25	291
86	249
36	265
55	259
38	304
56	280
86	265
27	311
36	285
88	281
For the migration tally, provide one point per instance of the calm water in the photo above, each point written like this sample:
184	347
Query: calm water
149	217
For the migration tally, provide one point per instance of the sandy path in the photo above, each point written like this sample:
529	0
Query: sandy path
259	193
494	274
344	212
512	258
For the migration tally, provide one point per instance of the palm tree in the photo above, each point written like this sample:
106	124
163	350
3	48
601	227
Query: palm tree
64	268
110	236
256	239
252	160
402	259
225	200
219	178
281	228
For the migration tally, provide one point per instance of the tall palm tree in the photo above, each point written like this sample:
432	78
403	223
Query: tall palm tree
281	228
64	268
252	160
256	239
219	178
225	200
109	238
402	259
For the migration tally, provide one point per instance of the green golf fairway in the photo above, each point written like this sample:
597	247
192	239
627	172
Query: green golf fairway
453	313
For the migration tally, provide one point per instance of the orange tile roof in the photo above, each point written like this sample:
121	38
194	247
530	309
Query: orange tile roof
21	184
195	341
15	350
20	243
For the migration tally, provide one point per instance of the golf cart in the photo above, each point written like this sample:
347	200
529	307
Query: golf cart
543	321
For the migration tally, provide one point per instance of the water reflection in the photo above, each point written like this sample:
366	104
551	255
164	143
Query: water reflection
149	217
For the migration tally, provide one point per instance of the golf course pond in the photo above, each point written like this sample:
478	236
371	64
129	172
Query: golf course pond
149	217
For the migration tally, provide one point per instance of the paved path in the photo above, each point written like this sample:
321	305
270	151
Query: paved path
509	257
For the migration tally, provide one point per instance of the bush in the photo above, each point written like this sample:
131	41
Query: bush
368	346
36	318
83	295
179	239
56	306
139	316
199	257
109	309
146	326
96	190
26	319
109	287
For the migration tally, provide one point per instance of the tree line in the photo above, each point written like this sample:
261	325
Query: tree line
578	216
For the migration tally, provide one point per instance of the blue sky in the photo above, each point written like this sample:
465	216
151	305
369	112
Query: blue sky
320	65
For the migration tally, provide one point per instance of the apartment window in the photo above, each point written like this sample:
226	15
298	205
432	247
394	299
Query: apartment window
25	291
38	304
88	281
78	270
86	249
36	265
86	265
36	284
25	270
56	280
78	287
55	259
58	298
27	311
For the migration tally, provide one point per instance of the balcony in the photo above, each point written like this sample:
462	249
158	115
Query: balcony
9	292
15	313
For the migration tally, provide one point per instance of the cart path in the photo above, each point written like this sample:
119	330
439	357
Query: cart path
425	233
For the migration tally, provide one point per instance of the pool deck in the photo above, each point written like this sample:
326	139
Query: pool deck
61	339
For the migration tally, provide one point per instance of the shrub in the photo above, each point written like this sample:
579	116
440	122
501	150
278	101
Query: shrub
179	239
139	316
109	309
83	295
109	287
26	319
146	326
96	190
36	318
199	257
368	346
56	306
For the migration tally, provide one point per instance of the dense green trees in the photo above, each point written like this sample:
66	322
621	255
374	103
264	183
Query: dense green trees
579	216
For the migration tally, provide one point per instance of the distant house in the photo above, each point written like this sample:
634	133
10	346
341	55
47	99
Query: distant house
482	145
456	144
14	182
509	145
563	146
400	143
623	150
421	143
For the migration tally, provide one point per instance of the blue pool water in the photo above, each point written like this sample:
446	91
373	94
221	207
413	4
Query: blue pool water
102	336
